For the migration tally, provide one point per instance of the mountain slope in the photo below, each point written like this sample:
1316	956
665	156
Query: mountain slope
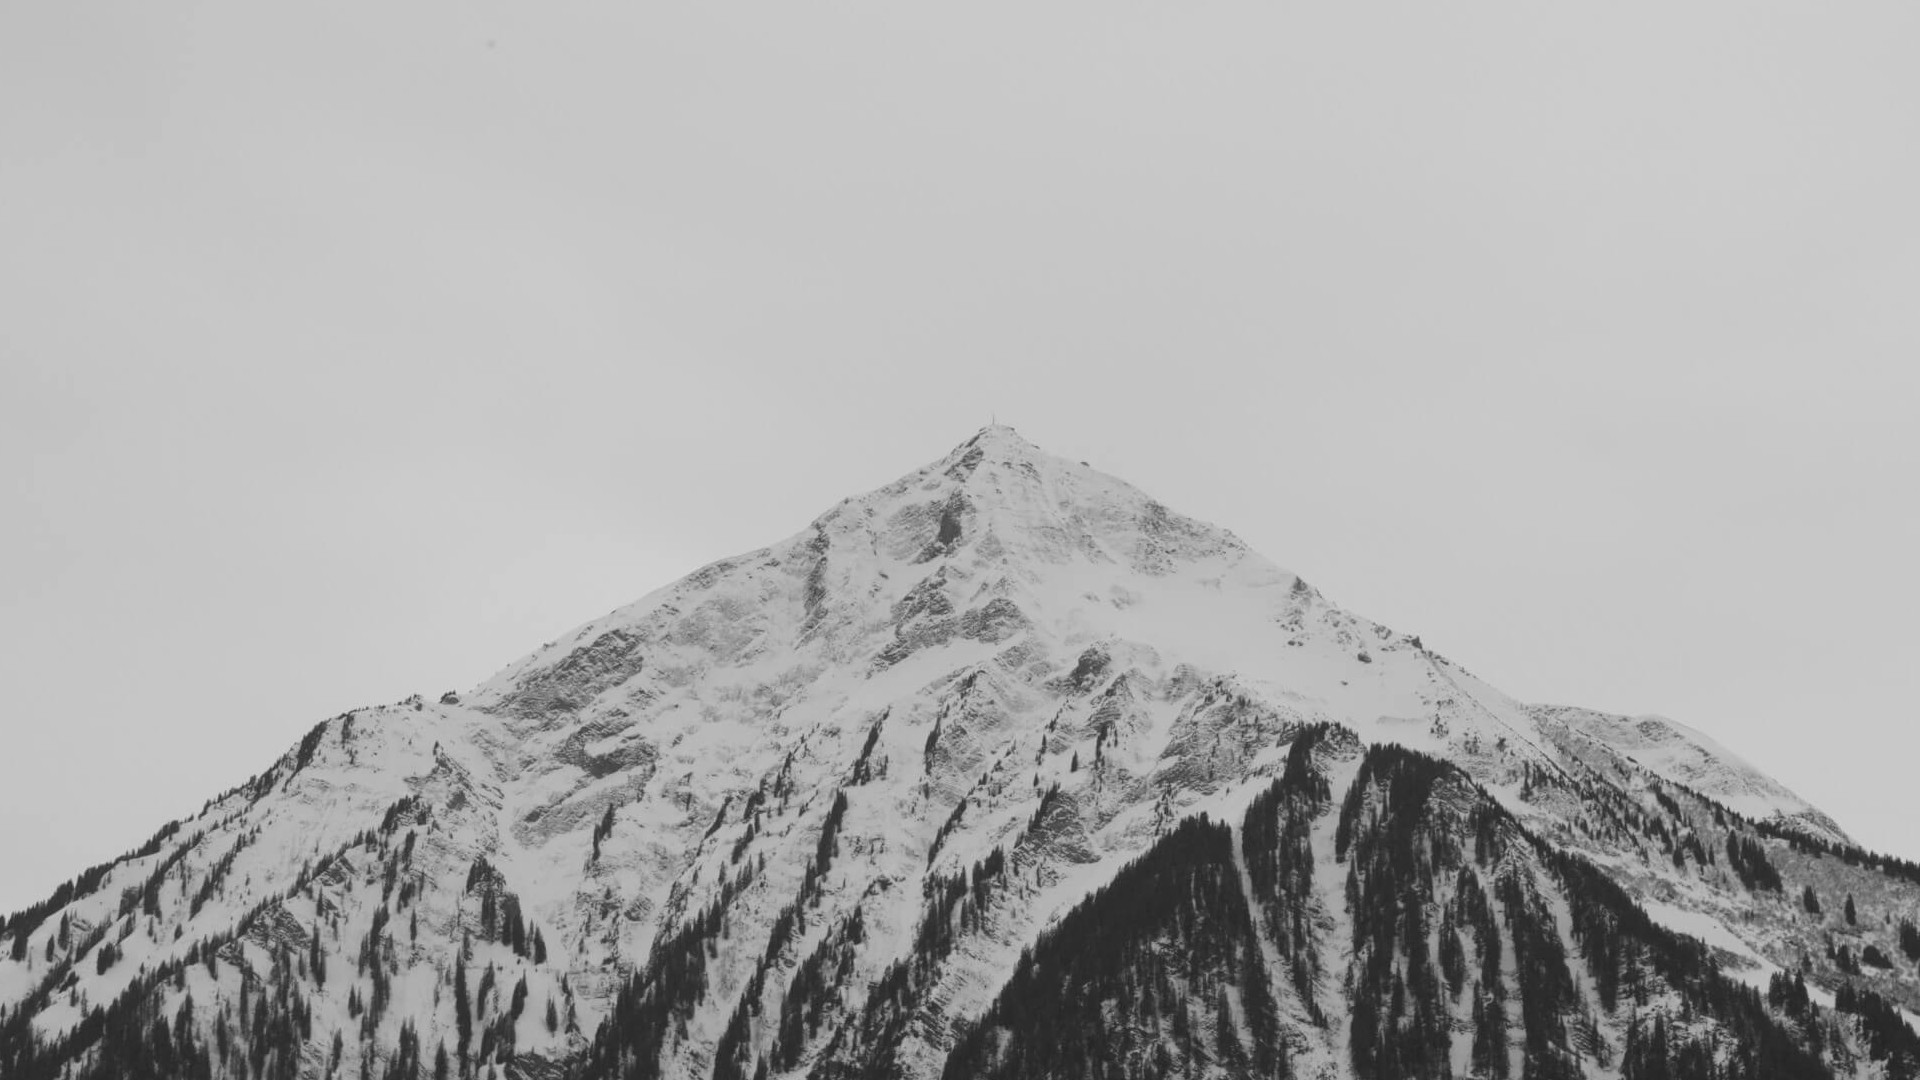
806	810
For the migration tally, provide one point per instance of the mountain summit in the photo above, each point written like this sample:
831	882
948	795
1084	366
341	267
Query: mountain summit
1003	769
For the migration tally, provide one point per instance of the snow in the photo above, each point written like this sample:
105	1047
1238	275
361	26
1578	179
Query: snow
1672	751
1703	926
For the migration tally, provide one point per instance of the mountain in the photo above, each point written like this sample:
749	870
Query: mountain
1004	769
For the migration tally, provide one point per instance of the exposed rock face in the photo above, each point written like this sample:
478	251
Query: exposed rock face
1004	769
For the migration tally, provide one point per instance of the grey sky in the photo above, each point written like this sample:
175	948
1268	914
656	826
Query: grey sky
353	352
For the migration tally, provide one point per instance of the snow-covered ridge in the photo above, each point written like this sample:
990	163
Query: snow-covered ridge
1675	752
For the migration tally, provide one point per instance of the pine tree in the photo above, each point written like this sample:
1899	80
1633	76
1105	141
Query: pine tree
462	1010
1853	918
486	987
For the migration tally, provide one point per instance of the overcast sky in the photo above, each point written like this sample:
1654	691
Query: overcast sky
355	351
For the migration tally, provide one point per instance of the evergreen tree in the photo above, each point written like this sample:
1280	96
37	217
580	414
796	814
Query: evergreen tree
462	1010
480	995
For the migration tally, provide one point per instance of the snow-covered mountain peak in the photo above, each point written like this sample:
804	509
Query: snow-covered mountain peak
801	812
999	445
998	497
995	534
